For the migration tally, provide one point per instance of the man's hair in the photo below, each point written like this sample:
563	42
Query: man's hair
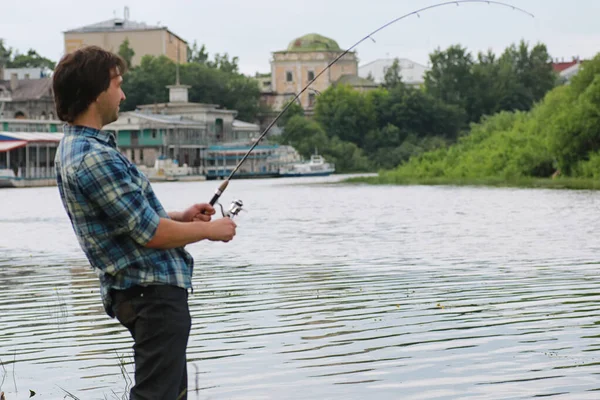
80	77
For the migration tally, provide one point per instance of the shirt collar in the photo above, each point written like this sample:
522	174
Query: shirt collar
103	136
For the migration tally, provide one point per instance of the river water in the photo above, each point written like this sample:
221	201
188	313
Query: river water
329	291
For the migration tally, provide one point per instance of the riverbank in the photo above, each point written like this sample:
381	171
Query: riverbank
538	183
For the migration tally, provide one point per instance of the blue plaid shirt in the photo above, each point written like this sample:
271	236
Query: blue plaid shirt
114	213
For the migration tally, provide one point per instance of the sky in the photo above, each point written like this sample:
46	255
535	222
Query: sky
252	29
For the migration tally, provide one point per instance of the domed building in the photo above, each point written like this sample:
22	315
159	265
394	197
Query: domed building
304	58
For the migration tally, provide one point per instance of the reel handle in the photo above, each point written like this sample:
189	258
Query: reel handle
234	209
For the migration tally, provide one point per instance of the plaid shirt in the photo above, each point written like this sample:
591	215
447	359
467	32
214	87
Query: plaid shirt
114	213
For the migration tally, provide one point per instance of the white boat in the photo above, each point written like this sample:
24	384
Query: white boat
317	166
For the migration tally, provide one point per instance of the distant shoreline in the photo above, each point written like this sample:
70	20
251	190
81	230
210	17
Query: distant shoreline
534	183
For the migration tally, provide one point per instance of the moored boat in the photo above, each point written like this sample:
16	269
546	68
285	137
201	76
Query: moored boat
316	166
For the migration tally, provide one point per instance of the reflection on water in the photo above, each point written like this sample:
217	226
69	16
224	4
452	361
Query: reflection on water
329	291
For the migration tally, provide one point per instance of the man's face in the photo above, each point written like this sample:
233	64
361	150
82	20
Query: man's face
109	100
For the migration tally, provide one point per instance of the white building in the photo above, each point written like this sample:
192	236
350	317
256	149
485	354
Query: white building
412	72
25	73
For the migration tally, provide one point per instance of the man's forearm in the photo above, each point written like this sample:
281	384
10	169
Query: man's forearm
176	216
171	234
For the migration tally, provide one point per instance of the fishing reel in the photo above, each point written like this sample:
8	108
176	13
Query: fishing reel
234	209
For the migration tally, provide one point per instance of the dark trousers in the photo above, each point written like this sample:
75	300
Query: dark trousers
159	321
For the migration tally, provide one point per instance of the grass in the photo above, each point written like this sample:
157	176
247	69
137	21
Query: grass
523	182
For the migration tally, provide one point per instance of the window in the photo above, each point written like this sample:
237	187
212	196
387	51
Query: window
153	133
311	99
219	128
289	77
311	75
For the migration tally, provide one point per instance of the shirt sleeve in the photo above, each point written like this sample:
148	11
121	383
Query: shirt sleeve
105	180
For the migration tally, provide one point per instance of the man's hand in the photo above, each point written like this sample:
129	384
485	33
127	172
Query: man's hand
222	230
198	212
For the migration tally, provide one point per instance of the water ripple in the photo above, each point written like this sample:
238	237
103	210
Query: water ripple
444	293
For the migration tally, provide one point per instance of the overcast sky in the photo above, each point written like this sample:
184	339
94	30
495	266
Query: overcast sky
252	29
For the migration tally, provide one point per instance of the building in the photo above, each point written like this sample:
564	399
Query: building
264	161
27	158
25	73
178	130
357	82
28	98
412	73
143	39
31	125
145	137
305	57
567	69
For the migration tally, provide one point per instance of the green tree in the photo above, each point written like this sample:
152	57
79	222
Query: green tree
525	76
346	156
220	61
30	60
308	136
574	132
5	54
146	84
516	80
345	113
450	78
304	135
393	77
294	109
126	52
197	55
223	63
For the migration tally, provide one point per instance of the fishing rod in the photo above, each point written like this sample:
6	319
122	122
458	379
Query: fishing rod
237	205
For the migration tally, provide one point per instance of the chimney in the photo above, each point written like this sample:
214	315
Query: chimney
14	82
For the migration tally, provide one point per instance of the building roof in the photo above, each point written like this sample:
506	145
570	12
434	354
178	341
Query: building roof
561	66
242	125
355	81
7	145
411	72
313	42
119	25
28	89
31	136
157	118
115	24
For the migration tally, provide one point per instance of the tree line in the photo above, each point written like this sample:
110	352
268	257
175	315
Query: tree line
213	81
558	137
364	131
11	58
385	127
